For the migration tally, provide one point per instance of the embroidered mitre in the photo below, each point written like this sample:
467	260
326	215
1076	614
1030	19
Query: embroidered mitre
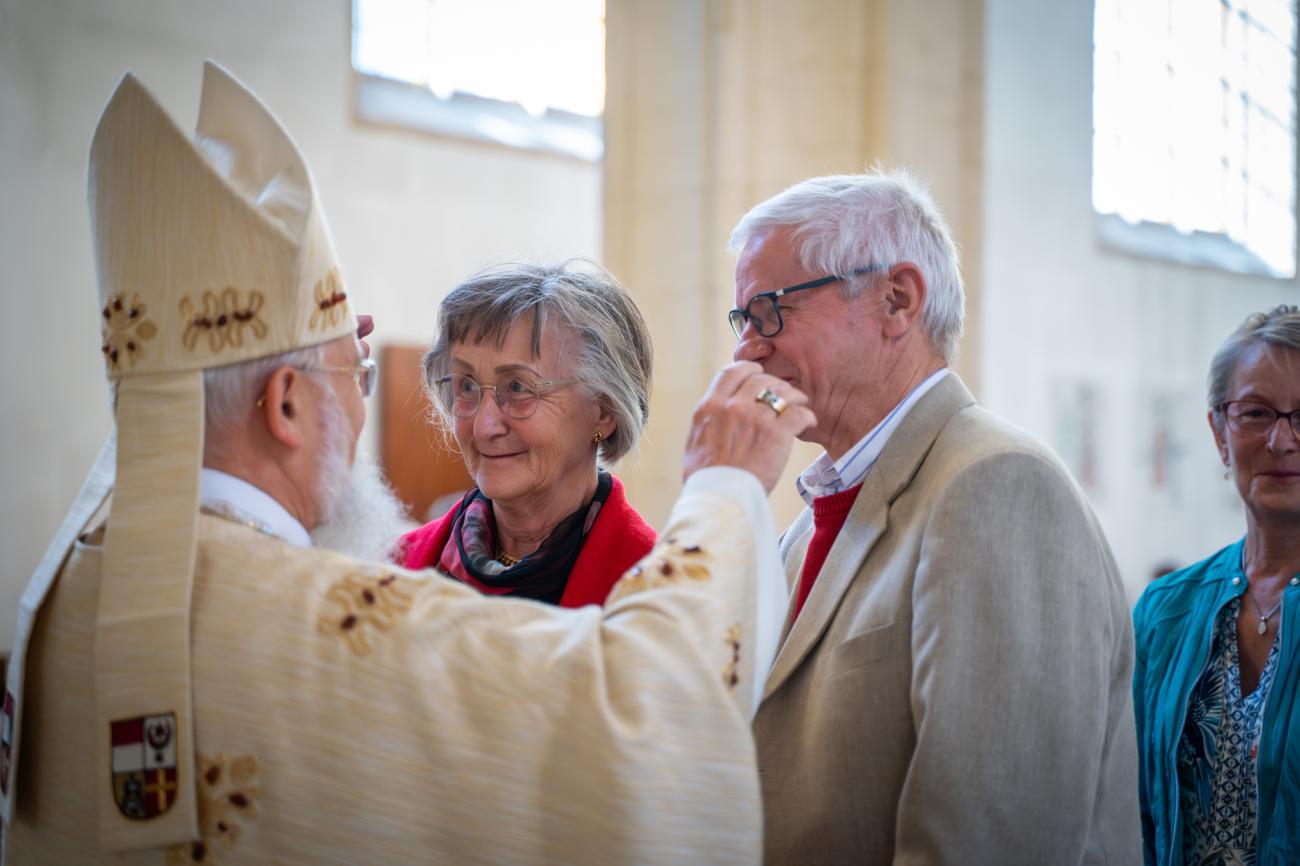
208	251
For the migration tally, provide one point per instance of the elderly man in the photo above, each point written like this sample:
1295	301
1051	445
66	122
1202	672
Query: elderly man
953	682
194	683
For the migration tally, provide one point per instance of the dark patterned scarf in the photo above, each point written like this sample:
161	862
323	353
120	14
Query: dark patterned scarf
471	550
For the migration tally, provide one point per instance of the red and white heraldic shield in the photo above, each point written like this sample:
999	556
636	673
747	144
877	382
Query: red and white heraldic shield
6	740
144	765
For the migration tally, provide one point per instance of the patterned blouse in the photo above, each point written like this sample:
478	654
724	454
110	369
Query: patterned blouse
1216	754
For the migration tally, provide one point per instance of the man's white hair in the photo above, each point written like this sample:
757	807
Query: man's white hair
845	222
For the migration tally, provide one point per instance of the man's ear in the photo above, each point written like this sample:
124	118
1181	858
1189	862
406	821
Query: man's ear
905	292
281	407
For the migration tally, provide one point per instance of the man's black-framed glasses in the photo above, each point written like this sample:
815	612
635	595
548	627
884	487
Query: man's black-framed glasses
764	310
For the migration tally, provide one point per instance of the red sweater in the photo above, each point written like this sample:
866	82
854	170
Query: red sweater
618	540
829	514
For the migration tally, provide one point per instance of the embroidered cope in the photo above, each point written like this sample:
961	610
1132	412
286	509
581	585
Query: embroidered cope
351	712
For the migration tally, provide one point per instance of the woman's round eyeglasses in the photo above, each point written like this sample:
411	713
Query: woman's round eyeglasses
516	396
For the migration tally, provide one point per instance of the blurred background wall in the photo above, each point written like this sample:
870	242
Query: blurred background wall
1101	353
711	106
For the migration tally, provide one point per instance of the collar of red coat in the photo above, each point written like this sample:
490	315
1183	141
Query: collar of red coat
618	539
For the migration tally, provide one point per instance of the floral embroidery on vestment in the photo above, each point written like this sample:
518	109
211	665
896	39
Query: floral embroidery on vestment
329	298
358	606
669	564
227	796
223	318
125	330
731	671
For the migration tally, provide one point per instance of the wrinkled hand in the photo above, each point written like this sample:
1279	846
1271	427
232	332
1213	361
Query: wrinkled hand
731	427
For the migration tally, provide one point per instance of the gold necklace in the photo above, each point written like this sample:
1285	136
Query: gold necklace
506	559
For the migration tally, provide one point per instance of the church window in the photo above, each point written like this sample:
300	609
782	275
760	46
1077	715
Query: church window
521	73
1194	131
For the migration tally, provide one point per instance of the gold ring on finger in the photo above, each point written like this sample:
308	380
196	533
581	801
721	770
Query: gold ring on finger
771	398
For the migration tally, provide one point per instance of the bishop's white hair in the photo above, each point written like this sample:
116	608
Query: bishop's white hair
230	393
360	515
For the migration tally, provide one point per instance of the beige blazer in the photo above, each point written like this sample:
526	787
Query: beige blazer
957	687
358	713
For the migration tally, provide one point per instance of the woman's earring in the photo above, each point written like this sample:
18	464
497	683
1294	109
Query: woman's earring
596	437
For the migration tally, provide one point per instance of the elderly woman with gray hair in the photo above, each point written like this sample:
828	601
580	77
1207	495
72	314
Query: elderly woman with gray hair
542	376
1217	678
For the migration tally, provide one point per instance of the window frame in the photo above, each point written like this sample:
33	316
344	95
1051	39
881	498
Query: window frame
387	102
1198	248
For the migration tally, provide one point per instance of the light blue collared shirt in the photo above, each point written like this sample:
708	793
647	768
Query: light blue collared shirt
826	476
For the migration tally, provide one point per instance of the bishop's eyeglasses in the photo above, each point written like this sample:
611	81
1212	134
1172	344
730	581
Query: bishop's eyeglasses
764	309
517	396
365	372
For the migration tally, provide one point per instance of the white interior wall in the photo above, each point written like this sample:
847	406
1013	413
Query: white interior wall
1136	331
411	214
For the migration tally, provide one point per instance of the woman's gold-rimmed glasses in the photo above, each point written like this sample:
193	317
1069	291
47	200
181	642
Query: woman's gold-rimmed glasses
518	397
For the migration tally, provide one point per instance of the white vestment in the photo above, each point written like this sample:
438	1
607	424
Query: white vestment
352	712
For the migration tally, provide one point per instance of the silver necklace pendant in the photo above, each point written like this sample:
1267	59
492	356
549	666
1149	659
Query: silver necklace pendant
1262	628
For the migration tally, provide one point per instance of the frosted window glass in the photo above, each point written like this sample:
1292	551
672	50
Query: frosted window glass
1194	120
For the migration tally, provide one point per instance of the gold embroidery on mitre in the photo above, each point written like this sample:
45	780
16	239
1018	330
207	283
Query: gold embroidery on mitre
731	671
329	299
227	796
223	318
670	563
125	330
357	606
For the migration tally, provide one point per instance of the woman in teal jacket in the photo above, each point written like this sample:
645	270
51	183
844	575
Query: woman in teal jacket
1217	681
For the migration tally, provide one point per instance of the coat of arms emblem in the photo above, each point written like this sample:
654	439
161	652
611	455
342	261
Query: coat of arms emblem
144	765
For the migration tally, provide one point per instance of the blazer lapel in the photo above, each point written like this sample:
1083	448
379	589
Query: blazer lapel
888	477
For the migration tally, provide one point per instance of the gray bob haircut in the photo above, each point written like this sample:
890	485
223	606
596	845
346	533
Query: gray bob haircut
1279	326
844	222
613	357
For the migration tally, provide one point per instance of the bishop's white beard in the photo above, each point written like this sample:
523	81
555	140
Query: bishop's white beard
361	517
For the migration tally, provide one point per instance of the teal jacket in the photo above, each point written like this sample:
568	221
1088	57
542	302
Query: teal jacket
1174	621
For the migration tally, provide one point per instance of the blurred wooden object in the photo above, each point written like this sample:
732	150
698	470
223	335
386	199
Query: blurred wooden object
419	466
